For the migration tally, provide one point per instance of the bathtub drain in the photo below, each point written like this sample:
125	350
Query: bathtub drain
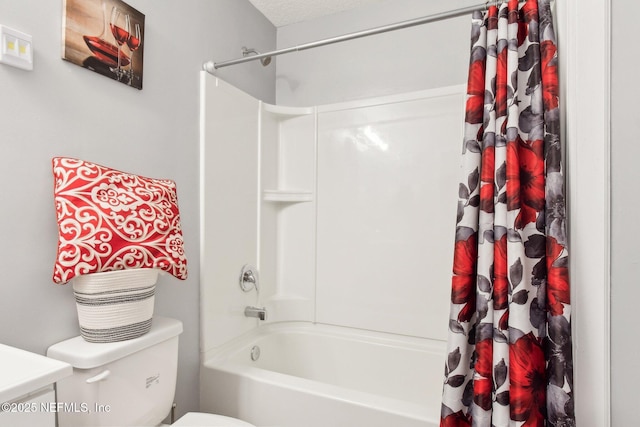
255	353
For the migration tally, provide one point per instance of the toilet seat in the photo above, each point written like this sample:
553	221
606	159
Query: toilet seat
200	419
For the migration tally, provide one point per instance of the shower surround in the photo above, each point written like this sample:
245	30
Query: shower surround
348	211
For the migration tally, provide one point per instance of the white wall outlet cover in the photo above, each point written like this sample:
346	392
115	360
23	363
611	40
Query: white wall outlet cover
16	48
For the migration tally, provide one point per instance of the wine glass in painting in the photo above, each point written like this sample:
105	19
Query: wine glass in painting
133	42
120	34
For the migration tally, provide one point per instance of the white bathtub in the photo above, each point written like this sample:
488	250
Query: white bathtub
311	375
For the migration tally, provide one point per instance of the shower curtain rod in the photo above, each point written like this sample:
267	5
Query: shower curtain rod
211	66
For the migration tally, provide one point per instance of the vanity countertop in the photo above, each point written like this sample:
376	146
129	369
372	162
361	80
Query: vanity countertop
23	372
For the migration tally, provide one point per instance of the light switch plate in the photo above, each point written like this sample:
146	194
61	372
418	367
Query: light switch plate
16	48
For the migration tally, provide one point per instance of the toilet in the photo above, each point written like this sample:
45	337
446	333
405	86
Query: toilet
125	383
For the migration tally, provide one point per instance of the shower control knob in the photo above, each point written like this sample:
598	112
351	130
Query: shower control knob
249	278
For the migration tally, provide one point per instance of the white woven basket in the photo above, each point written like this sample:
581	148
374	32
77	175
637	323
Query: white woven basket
115	305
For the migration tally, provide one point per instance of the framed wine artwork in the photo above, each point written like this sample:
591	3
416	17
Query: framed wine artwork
105	36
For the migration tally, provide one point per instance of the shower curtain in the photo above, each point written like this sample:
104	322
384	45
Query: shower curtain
509	354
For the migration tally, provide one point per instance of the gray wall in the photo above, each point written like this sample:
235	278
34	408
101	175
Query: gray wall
62	109
625	233
422	57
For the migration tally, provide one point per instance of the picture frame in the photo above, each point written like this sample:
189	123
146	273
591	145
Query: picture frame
105	36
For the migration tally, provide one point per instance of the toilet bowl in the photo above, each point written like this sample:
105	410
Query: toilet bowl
125	383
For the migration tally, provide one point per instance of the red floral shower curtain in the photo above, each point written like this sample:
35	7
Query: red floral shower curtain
509	355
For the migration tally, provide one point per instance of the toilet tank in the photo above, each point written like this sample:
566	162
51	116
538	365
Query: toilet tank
126	383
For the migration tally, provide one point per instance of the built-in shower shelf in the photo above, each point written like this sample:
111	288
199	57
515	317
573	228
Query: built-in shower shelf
287	111
287	196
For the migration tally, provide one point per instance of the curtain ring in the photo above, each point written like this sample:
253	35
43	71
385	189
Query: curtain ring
490	3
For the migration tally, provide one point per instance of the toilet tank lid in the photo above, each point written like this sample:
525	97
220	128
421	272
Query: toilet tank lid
85	355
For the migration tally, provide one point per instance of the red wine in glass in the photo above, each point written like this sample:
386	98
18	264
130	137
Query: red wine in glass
133	42
121	35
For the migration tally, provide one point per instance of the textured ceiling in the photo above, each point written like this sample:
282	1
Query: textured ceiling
285	12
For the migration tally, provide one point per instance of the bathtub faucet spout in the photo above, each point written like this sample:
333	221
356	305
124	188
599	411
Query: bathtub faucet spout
260	313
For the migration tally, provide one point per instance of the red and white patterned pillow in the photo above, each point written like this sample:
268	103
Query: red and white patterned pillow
111	220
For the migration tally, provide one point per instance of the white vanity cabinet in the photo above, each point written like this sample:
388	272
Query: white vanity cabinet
27	396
